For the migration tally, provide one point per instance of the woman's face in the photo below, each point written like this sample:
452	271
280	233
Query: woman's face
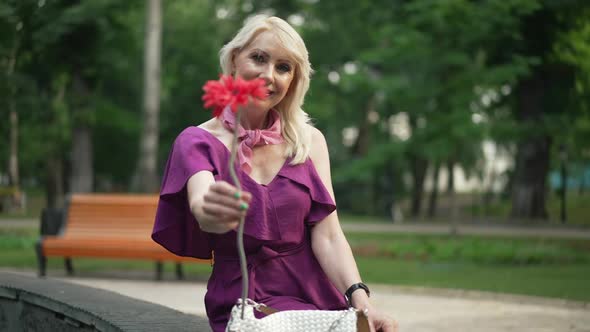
265	58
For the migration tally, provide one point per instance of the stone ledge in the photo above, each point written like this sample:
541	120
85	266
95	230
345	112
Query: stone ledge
44	304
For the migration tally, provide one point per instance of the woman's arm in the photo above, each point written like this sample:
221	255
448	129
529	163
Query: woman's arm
327	238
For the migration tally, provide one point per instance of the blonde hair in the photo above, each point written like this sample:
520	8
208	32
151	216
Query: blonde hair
295	122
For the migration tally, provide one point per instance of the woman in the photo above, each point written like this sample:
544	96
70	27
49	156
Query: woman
292	233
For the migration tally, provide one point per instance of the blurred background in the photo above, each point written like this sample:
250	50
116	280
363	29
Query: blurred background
440	112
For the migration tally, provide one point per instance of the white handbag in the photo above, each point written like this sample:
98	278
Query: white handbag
350	320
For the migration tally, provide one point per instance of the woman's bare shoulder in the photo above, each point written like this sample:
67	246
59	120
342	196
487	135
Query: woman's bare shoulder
214	127
315	133
319	148
210	125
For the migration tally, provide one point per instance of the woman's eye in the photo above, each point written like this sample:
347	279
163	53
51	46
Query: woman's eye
285	68
257	58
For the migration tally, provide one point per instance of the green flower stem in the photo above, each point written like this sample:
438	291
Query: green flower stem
241	252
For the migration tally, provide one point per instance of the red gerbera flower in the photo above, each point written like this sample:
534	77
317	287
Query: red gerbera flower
229	92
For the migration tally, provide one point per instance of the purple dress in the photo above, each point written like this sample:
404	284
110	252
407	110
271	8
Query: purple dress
284	273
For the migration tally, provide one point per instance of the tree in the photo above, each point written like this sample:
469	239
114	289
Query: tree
429	56
543	98
146	179
13	26
58	79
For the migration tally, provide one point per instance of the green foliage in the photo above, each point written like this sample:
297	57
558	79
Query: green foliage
423	58
191	40
452	68
64	56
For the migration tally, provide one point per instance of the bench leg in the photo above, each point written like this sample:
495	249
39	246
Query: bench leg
159	270
179	272
41	259
69	266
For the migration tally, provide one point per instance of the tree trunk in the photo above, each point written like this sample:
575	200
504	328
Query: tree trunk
528	193
13	167
54	161
451	178
434	193
383	189
13	174
146	178
82	172
82	160
54	188
532	159
582	181
361	146
389	189
452	196
419	166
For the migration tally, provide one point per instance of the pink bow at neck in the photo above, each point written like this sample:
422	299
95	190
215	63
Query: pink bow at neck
248	139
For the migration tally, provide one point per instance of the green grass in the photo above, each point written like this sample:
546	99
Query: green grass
26	259
471	249
566	281
530	266
540	267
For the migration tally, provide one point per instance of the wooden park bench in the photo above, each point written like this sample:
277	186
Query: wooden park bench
104	226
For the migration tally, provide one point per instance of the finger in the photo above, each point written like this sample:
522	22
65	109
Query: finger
223	188
241	195
389	325
219	219
210	224
230	202
227	189
223	212
246	196
371	325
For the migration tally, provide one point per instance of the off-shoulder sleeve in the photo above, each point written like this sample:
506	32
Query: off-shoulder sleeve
322	203
175	227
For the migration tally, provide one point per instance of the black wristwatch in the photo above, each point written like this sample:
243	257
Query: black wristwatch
354	287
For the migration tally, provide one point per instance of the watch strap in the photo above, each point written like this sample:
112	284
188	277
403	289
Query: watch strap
352	289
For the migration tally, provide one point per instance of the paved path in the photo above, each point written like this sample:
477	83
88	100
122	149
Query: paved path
15	223
416	309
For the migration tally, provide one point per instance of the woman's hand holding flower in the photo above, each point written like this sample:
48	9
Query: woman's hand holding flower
221	208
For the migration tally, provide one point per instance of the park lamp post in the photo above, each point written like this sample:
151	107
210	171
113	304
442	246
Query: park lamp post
563	191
